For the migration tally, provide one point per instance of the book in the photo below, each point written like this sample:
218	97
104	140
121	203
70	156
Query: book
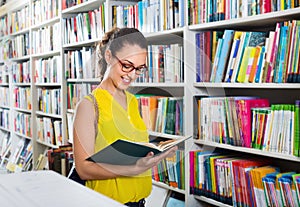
124	152
175	200
224	55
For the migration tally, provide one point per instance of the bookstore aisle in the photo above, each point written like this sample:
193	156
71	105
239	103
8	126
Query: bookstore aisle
225	73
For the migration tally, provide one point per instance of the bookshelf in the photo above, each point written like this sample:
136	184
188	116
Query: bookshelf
51	69
276	93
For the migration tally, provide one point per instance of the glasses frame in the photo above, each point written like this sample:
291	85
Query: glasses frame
127	68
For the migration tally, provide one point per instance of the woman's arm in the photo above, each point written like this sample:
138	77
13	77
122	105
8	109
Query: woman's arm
84	142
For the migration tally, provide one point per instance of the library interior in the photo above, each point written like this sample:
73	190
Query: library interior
218	79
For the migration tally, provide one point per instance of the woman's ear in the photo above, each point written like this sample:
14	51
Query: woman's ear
108	56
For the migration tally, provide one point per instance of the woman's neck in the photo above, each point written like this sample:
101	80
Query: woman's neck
118	94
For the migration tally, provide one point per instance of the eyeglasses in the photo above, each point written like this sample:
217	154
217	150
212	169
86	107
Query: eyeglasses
127	68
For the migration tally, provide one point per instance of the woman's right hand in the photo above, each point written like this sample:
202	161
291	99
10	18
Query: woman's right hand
152	160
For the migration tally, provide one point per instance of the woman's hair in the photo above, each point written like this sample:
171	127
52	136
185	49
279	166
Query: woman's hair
115	40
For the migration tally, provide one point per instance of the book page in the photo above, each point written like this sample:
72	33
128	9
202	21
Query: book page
170	143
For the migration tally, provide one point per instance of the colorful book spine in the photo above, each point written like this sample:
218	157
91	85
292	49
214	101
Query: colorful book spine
224	56
296	150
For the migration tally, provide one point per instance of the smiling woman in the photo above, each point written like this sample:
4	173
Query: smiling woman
122	58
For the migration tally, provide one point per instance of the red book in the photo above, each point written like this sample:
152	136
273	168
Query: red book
241	188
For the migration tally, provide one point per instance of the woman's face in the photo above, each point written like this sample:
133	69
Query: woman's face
128	58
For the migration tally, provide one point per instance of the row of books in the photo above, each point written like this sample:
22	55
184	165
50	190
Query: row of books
242	181
48	70
17	47
81	64
255	57
250	122
4	97
22	124
4	50
162	114
21	72
49	131
49	100
61	159
69	3
19	20
150	15
45	39
171	171
22	97
200	11
5	146
70	116
44	10
276	129
4	74
84	26
165	64
76	92
21	157
4	118
3	26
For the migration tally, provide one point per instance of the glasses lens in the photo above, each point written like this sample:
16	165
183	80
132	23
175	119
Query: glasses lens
140	70
128	68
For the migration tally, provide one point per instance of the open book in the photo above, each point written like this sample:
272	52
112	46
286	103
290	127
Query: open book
124	152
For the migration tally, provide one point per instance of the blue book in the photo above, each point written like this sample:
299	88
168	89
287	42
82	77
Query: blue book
216	61
224	56
150	64
280	62
232	58
269	184
198	58
140	15
260	64
174	202
181	12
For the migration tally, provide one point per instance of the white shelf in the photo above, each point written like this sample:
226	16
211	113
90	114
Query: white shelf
211	201
27	57
86	43
83	7
264	21
249	150
159	85
163	185
48	84
27	111
48	114
46	23
249	85
46	54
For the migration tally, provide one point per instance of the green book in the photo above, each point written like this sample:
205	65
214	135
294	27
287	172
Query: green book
296	150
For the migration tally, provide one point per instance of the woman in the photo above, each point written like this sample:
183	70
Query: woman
123	55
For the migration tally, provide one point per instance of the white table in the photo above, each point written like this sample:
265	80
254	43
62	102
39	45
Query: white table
48	189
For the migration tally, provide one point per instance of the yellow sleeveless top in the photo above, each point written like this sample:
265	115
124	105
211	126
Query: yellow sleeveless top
116	123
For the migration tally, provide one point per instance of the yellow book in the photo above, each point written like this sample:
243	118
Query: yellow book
213	172
250	63
244	64
257	174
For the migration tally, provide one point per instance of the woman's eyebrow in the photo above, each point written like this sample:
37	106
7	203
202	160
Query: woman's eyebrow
133	63
128	61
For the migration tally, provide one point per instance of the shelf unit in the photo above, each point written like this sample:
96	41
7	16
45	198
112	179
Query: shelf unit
275	92
188	89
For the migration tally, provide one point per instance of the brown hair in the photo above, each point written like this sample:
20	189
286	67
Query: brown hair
115	40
